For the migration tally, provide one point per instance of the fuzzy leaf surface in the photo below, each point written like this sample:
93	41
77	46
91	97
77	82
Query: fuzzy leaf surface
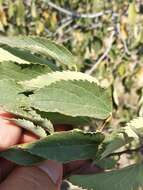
23	57
74	98
11	70
48	79
40	45
11	96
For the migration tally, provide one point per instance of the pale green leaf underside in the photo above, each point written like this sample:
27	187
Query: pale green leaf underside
129	178
63	147
7	56
47	79
11	70
28	125
23	57
42	46
11	97
74	98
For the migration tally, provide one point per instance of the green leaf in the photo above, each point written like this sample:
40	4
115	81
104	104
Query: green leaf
47	79
129	178
57	118
7	56
114	145
106	163
74	98
117	139
42	46
23	56
64	146
20	72
28	125
21	157
11	98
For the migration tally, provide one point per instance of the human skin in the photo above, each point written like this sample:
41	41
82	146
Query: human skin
46	175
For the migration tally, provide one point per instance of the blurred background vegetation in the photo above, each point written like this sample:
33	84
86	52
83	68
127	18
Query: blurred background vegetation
106	37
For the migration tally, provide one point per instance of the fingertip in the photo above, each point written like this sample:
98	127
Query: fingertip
6	114
9	134
27	137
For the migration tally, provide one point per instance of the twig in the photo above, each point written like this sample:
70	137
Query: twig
74	14
126	47
64	25
128	151
123	41
104	55
107	120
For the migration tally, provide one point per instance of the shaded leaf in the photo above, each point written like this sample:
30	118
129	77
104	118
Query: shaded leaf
21	157
106	163
58	118
64	146
11	70
23	56
129	178
114	145
7	56
42	46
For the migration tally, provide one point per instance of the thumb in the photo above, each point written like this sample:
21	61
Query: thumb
47	175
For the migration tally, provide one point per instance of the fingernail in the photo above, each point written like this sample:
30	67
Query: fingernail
53	169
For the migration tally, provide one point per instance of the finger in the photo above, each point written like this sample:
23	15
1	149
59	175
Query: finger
27	136
5	168
9	134
32	178
6	115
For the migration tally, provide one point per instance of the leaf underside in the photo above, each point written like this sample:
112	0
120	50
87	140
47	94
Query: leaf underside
11	70
40	45
24	57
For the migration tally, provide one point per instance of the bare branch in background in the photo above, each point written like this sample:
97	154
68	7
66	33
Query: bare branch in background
74	14
104	55
62	26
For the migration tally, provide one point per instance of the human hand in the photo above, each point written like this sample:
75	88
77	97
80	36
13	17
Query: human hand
46	175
